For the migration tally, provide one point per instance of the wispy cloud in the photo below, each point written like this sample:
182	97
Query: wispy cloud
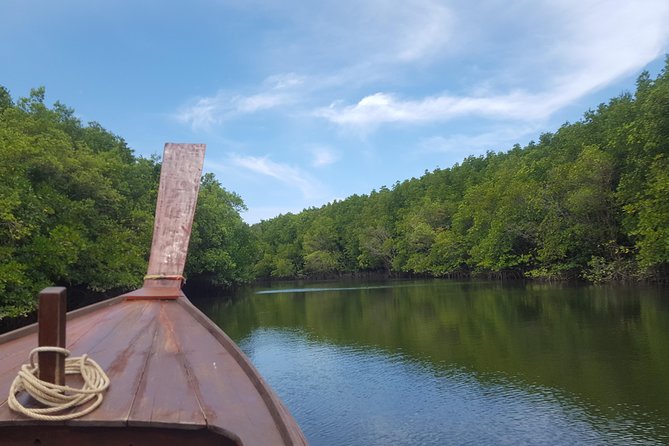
354	40
398	32
426	28
583	51
500	138
556	53
602	41
284	81
288	174
340	33
205	112
387	108
323	156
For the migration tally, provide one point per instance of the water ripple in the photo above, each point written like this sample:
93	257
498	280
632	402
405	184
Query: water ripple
357	395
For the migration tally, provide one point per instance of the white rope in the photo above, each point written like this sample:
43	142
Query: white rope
59	398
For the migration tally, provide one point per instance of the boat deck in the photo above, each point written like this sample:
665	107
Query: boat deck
170	368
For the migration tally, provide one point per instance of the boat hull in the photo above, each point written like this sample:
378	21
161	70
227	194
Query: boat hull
171	369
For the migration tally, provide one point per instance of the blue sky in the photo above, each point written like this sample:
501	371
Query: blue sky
301	103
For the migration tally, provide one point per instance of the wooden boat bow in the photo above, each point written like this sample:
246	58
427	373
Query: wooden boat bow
175	376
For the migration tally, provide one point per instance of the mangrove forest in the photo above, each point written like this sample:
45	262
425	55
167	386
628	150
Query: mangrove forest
588	202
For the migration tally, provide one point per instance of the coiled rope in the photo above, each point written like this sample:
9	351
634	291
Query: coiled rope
59	398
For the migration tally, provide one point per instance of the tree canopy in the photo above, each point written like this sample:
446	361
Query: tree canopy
590	201
76	209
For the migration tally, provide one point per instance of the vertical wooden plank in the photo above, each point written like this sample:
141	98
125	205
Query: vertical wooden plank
177	197
51	323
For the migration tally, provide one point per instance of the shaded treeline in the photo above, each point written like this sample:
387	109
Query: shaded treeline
76	209
590	201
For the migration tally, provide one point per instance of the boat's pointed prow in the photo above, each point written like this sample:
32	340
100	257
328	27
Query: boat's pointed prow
177	196
173	376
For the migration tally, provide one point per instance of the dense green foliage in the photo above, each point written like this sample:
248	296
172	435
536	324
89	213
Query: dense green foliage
589	201
76	209
222	248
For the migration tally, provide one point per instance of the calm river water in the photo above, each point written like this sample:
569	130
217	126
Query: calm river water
463	363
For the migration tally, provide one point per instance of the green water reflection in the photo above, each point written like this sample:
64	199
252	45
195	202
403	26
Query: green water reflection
605	347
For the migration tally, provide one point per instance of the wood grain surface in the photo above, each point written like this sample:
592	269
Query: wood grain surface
177	196
170	368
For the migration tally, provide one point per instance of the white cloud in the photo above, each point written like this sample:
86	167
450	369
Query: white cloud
342	33
276	91
291	175
501	138
586	46
412	31
386	108
257	102
603	41
208	111
283	81
323	156
202	114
